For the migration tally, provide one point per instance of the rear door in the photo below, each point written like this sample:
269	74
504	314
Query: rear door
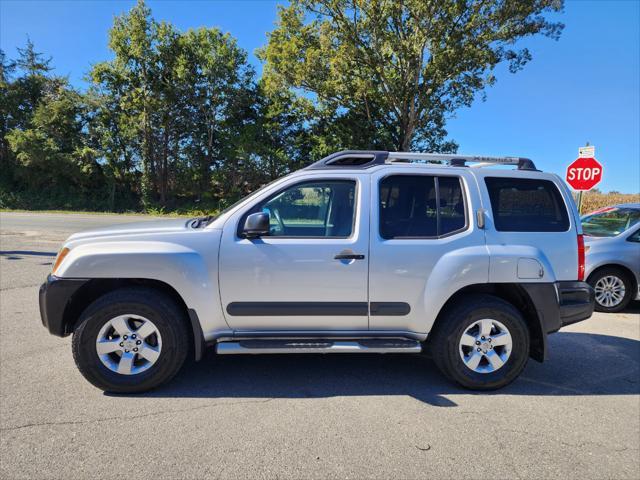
528	210
424	244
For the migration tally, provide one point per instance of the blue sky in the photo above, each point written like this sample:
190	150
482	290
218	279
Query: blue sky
584	87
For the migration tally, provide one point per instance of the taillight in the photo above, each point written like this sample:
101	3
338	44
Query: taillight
580	257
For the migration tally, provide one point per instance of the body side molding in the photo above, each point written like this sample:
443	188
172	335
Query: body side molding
316	308
297	308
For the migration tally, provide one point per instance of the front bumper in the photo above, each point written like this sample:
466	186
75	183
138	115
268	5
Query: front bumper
55	298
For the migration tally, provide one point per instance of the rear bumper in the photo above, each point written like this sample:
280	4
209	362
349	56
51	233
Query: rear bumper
54	297
561	303
576	301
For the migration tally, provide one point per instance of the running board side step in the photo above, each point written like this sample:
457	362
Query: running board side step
318	346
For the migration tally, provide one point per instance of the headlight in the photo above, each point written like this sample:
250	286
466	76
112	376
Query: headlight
59	258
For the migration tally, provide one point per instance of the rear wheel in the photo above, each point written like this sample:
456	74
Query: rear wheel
613	289
482	343
130	340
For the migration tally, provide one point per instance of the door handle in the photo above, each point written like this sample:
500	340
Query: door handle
349	256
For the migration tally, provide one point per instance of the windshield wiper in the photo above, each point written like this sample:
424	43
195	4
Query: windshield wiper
201	221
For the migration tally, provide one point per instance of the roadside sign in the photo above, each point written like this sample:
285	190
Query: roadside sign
587	152
584	173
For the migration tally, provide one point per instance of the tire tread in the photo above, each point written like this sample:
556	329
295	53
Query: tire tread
443	339
152	299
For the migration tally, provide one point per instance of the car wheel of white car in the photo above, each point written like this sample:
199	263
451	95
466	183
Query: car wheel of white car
481	343
130	340
613	289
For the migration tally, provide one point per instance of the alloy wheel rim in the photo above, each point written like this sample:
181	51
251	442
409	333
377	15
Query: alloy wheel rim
129	344
610	291
485	346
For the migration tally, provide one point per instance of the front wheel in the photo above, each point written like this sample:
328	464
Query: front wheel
482	342
130	340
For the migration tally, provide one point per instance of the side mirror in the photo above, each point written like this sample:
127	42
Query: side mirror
256	225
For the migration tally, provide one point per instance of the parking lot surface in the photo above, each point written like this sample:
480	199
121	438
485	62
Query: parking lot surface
333	416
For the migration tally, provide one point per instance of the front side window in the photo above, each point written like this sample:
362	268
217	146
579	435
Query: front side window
526	205
420	206
610	221
312	209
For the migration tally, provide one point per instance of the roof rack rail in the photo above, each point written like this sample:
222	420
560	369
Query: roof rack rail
352	159
455	160
371	158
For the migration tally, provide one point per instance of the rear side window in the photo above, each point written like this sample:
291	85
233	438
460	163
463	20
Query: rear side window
526	205
420	206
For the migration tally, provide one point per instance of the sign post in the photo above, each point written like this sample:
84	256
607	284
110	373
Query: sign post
585	172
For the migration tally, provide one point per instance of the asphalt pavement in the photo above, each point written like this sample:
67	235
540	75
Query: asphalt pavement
305	416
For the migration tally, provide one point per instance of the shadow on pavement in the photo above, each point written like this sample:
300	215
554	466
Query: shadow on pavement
633	307
578	364
18	254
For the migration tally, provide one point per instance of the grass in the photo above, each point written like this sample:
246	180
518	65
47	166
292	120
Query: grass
154	213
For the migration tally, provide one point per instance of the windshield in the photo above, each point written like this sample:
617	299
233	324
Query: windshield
211	218
610	221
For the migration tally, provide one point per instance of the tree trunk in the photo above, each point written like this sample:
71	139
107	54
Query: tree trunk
112	196
164	177
206	164
406	135
148	165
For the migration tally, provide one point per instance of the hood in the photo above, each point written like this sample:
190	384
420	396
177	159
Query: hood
135	228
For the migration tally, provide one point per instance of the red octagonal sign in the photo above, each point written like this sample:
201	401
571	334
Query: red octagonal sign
584	173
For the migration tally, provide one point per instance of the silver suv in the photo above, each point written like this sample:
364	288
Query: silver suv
361	252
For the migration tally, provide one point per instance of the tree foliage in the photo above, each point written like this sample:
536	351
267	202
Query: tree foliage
45	149
179	119
399	68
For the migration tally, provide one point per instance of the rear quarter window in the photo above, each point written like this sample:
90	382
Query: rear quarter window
526	205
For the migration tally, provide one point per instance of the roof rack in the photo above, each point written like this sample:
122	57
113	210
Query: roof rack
371	158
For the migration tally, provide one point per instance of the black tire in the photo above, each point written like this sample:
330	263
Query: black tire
151	304
626	280
444	341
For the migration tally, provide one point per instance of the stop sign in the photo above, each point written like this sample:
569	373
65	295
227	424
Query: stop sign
584	173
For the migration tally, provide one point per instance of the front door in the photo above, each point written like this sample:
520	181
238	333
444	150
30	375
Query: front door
310	272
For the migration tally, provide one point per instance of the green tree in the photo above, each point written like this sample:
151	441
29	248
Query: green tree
217	91
283	141
113	134
7	110
20	96
173	105
52	151
44	149
394	71
131	78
